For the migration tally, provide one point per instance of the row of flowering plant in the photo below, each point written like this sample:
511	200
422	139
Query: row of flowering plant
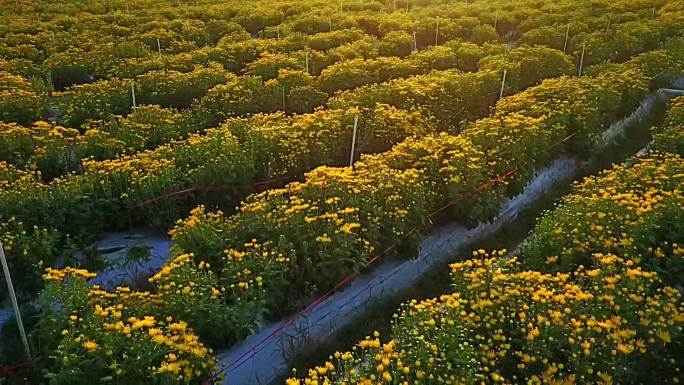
113	176
614	323
634	211
88	335
337	219
593	298
670	136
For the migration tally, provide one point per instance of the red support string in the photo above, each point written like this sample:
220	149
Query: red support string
282	327
196	188
490	183
342	282
167	196
6	370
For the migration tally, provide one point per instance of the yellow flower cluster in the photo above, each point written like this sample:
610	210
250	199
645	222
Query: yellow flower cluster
595	320
505	324
11	177
619	211
19	102
669	136
60	275
391	193
176	262
114	326
329	222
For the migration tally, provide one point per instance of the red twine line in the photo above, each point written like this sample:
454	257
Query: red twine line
206	187
343	281
5	370
497	179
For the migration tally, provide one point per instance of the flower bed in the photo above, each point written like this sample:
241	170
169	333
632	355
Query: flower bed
97	336
335	221
578	306
633	211
504	324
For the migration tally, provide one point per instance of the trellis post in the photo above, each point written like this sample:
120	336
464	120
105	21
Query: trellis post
353	144
584	46
503	84
306	61
283	98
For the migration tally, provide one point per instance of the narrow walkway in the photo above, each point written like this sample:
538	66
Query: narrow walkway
269	361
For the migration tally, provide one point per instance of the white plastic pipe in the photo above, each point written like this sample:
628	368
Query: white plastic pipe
353	144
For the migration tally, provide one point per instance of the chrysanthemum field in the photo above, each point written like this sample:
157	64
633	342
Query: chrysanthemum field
286	152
